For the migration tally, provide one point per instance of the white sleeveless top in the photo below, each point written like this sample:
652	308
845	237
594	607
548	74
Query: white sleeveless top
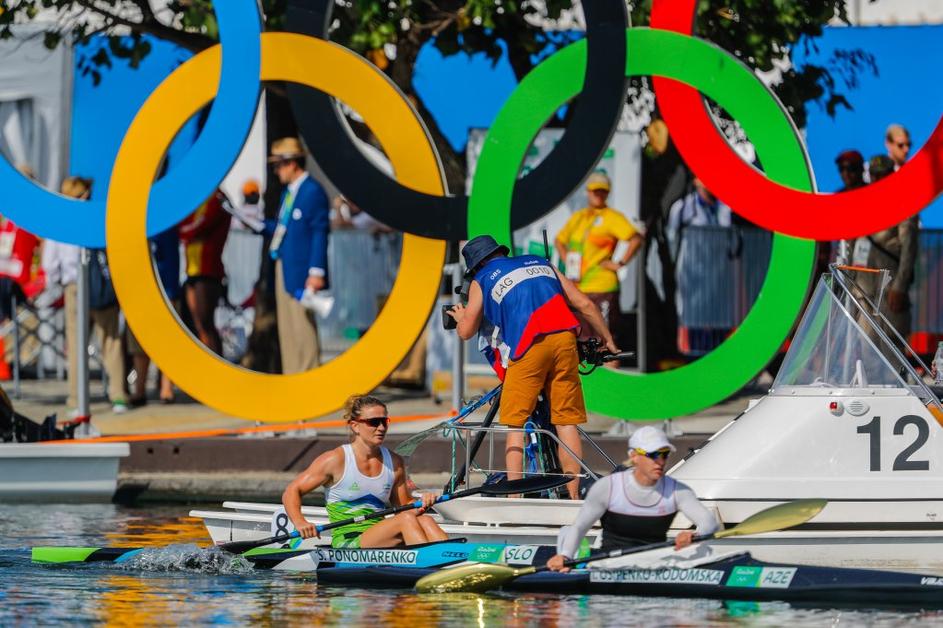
356	494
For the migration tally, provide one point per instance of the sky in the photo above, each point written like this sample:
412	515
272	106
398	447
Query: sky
905	91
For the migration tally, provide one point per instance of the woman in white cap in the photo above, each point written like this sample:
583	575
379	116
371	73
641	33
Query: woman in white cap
636	506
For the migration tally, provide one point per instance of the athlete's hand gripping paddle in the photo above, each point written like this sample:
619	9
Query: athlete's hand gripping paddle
506	487
481	577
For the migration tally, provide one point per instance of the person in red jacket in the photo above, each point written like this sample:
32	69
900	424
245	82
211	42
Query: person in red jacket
203	234
17	248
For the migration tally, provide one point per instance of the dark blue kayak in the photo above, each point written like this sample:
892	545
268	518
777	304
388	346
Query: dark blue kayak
739	577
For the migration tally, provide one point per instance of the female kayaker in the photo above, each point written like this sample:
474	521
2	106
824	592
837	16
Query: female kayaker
363	477
636	506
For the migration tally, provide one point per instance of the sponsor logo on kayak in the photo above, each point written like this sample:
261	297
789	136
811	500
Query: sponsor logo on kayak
756	577
369	556
462	555
487	553
668	575
937	582
520	554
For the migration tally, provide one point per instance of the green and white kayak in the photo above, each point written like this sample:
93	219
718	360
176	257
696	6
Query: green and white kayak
427	556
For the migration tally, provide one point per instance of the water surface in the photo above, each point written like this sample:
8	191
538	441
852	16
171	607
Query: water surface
229	594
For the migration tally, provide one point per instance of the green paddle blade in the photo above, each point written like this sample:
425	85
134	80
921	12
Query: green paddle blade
476	578
776	518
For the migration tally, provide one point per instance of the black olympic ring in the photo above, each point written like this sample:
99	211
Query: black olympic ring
595	118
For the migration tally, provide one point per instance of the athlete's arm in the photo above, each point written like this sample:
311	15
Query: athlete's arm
694	510
400	495
469	316
321	472
582	304
570	537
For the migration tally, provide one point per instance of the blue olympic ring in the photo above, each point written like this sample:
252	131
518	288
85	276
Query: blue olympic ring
188	183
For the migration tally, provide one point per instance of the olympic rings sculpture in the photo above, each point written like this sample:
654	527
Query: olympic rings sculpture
682	65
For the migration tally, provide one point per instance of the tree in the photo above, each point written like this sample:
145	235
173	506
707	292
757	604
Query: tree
392	32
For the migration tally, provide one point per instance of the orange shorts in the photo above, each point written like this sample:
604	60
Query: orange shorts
550	365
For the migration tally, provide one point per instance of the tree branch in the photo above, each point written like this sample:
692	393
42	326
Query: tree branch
193	42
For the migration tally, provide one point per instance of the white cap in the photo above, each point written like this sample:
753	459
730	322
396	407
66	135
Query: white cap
649	439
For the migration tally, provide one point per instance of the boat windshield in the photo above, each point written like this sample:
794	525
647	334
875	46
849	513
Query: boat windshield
840	343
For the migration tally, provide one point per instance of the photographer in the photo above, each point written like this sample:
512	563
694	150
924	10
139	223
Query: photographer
530	304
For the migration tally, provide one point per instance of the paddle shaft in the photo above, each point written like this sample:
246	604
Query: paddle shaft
502	488
624	551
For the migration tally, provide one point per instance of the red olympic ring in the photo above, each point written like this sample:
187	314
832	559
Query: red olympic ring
767	203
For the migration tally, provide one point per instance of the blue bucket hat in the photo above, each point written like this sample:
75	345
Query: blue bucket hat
478	249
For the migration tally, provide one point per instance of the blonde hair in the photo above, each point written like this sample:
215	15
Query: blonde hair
355	405
76	187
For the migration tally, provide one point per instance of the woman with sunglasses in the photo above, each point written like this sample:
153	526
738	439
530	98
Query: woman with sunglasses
363	477
636	506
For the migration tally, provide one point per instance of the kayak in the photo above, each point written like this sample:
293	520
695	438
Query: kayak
739	577
430	555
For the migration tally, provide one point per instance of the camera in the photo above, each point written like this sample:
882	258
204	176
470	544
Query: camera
448	322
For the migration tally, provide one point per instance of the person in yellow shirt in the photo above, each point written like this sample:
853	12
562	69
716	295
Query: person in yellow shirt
586	245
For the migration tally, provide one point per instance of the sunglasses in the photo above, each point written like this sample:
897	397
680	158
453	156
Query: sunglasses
903	144
660	454
375	422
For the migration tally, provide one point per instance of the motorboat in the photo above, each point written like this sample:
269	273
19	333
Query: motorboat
59	471
850	419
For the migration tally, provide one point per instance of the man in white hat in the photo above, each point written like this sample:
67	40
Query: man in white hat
636	506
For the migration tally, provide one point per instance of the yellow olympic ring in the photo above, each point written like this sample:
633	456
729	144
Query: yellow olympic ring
202	374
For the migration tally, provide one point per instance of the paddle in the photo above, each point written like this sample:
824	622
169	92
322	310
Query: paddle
506	487
481	577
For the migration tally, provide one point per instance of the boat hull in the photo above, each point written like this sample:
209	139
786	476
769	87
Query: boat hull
59	473
740	578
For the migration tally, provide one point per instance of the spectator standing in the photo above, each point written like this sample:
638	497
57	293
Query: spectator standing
850	165
204	234
698	208
897	141
299	248
165	247
61	264
250	211
893	249
17	249
587	243
851	170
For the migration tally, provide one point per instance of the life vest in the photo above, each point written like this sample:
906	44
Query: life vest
356	494
627	524
524	299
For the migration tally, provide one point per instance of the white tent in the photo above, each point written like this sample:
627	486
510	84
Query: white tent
35	103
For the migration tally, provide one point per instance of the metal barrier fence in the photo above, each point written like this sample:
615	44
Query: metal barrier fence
363	267
721	271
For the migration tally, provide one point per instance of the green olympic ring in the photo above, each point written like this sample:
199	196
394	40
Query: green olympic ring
721	77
